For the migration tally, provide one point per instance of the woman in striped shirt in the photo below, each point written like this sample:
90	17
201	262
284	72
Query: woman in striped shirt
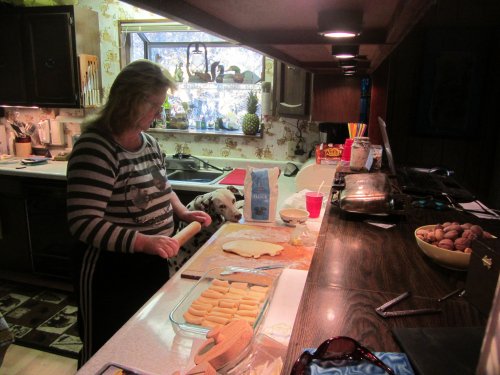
121	206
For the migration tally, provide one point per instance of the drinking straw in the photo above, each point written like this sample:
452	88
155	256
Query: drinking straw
352	129
320	186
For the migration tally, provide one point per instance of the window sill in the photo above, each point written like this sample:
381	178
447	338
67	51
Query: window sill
232	133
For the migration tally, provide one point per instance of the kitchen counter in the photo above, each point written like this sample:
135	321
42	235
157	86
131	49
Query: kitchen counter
54	170
151	343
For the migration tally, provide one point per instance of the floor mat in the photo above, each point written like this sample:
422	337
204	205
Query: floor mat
41	318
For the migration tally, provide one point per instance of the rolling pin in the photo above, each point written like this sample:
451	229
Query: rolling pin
185	234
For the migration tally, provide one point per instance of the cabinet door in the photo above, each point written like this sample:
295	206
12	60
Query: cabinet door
50	40
294	91
51	241
12	61
14	240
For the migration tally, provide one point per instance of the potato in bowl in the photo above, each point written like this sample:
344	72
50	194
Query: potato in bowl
449	244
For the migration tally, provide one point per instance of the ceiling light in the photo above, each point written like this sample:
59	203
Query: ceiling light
345	51
339	24
347	63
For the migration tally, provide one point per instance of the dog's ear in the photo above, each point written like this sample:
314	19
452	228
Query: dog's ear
234	190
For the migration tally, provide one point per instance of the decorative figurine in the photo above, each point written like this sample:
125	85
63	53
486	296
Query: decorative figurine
179	74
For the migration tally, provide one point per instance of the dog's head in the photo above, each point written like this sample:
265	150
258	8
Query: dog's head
222	202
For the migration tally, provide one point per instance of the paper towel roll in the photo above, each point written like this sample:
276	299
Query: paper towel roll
311	175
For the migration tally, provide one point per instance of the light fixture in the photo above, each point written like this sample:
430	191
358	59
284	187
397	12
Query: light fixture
347	63
349	72
339	23
345	51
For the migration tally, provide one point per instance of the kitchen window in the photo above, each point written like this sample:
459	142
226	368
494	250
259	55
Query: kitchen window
214	76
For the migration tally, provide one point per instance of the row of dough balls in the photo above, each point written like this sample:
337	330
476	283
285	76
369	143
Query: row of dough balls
224	301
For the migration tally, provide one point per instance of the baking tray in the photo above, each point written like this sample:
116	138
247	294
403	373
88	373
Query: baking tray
247	275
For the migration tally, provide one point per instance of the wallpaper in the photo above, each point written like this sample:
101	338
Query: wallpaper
280	135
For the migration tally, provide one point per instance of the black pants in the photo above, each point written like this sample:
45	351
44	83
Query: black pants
111	287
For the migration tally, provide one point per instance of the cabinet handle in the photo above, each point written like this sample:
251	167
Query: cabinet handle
50	63
290	105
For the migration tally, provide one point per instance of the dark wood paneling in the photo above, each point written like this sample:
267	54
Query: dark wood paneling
378	103
336	99
474	155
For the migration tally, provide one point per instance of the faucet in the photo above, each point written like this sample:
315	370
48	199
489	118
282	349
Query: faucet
206	164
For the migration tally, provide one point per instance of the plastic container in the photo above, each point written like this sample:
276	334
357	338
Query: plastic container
346	153
22	146
314	201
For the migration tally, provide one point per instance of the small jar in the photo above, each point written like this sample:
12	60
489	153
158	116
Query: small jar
22	145
360	151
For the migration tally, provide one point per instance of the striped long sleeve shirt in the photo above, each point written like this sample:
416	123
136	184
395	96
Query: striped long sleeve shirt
114	193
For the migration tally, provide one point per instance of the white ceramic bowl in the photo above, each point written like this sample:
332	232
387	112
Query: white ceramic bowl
293	216
453	259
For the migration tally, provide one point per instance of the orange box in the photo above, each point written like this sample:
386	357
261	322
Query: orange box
328	153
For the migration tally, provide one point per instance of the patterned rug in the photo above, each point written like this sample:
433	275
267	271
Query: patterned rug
41	318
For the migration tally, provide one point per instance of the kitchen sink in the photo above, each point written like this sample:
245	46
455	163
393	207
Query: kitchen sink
198	176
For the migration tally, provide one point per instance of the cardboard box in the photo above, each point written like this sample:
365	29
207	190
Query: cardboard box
328	153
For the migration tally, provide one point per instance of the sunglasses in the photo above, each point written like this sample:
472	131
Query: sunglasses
338	348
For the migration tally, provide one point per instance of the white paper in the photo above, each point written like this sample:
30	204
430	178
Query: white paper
280	317
380	225
480	210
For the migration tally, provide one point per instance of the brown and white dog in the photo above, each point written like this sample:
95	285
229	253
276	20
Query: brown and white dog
222	206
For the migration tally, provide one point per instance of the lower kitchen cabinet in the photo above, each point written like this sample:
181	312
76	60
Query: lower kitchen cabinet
51	242
34	234
15	252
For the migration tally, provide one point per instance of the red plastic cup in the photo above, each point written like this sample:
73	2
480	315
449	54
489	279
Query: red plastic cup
313	203
346	153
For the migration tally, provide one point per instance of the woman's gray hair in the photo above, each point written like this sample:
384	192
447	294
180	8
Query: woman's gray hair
137	81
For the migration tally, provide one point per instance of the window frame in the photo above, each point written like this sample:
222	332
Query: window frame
141	26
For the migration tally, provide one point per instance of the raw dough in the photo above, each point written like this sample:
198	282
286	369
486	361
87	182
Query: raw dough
252	248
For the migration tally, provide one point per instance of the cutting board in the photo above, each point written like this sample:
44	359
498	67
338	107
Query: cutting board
236	177
211	255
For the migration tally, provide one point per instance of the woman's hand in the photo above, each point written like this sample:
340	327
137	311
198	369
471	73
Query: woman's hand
163	246
200	216
189	216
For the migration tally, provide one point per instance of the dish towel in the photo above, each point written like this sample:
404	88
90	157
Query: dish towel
397	361
236	177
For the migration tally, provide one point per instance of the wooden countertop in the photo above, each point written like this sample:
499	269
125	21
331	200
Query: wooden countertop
357	267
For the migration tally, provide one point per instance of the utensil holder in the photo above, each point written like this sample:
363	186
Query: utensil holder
22	146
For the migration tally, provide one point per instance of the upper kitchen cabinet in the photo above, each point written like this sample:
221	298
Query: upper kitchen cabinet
39	63
293	91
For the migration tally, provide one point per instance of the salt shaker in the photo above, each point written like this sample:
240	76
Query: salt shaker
360	151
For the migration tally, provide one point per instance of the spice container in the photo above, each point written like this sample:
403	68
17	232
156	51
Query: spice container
22	146
360	151
377	152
